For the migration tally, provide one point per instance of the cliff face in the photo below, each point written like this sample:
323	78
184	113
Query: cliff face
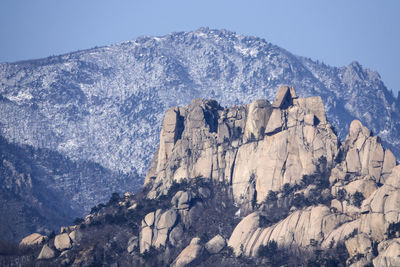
249	185
262	148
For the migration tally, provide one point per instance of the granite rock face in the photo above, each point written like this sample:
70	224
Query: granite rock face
33	239
261	148
46	253
156	229
189	254
258	147
216	244
299	228
62	242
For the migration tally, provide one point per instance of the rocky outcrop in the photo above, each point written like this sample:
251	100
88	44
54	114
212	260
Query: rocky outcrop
365	158
189	254
365	155
33	239
255	148
301	228
46	253
75	236
156	229
259	148
62	242
216	244
382	208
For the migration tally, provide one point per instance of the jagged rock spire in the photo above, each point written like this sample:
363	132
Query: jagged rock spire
256	148
284	97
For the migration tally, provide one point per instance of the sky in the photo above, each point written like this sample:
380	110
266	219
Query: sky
334	32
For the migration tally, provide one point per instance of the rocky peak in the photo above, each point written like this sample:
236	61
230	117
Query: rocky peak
255	148
284	97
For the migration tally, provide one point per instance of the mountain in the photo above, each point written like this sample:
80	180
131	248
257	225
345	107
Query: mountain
255	185
41	190
105	105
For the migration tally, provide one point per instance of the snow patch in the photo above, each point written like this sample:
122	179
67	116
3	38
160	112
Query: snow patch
21	96
201	34
69	145
246	51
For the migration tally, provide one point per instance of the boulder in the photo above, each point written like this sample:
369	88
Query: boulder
160	238
357	129
46	253
162	227
133	206
75	236
189	254
223	133
62	242
167	219
394	178
215	245
33	239
340	233
283	97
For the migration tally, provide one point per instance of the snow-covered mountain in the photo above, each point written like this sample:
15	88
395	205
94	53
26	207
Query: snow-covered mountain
106	104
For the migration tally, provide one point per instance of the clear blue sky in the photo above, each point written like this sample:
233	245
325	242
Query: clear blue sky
335	32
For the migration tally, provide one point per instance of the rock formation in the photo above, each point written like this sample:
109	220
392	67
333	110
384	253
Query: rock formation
261	147
256	148
240	186
46	253
33	239
98	112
